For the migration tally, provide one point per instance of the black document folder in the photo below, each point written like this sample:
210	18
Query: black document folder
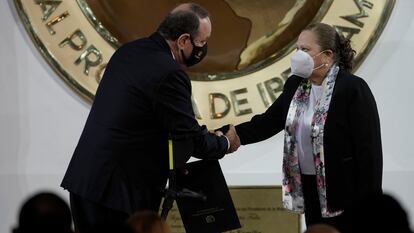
208	208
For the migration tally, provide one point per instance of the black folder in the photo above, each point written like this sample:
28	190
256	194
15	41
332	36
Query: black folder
207	207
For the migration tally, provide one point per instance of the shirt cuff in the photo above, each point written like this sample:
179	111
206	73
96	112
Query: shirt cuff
228	142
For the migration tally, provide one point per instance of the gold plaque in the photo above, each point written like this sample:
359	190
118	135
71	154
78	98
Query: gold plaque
249	51
259	209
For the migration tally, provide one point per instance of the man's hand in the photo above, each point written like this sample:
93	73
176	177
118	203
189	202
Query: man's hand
233	139
231	135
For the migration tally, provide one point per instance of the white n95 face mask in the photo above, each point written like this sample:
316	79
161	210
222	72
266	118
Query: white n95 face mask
302	64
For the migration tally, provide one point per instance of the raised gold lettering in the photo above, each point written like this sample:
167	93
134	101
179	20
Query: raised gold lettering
350	32
56	20
274	86
86	55
195	108
100	72
237	102
212	102
48	7
77	35
76	40
362	13
263	95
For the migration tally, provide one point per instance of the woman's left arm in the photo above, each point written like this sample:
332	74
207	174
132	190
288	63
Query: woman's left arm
366	138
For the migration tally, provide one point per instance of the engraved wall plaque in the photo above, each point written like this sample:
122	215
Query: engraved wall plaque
260	211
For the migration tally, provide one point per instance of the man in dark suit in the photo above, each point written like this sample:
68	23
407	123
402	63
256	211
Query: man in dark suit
120	164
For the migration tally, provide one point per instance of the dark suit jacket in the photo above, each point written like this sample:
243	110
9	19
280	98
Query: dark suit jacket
122	155
352	137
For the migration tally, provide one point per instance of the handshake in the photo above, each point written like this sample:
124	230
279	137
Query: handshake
230	132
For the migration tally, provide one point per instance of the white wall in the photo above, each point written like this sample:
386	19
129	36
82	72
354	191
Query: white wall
41	118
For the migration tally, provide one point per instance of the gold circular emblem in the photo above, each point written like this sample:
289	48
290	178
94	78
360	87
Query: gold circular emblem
248	60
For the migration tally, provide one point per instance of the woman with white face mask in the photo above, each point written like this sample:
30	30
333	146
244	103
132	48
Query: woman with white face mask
332	145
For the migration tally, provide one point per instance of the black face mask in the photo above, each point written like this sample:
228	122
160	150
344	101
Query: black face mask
197	54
